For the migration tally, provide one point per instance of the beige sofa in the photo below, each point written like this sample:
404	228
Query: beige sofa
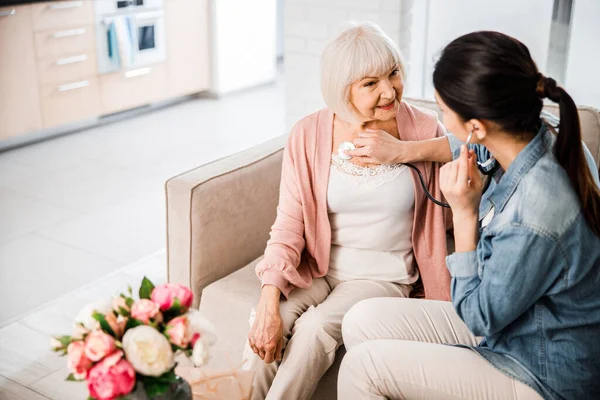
219	217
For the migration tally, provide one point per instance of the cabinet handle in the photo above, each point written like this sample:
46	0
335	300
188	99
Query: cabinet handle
137	72
71	60
66	5
73	86
70	32
8	13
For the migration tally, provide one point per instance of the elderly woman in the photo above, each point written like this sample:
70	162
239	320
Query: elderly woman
346	230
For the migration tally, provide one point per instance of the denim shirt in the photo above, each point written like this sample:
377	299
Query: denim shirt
532	286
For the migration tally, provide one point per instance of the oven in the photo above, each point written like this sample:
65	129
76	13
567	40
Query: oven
130	34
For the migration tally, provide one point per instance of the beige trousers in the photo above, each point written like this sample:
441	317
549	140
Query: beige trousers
312	331
396	350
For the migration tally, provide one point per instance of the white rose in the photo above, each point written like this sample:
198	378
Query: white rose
148	351
200	353
199	324
85	315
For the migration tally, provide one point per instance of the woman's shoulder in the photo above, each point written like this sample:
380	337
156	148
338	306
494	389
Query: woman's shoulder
420	112
424	120
306	129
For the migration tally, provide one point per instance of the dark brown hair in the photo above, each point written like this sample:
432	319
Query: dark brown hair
491	76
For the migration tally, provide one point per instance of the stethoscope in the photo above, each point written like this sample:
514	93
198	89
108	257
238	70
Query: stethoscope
483	167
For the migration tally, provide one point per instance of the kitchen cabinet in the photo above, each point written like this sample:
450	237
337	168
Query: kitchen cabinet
19	89
68	102
65	44
64	40
57	14
187	31
124	90
50	61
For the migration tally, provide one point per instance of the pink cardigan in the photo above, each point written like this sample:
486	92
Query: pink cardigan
300	242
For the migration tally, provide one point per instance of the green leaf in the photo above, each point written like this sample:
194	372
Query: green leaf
176	306
146	288
129	301
64	340
168	376
71	378
129	290
175	311
103	324
123	312
132	323
155	387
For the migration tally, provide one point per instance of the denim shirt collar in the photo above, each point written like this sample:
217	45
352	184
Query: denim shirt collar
519	167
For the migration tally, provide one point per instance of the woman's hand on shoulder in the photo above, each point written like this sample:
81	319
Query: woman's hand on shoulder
266	335
378	147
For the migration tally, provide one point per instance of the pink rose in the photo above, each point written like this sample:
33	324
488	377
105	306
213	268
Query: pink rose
178	331
117	324
118	303
144	310
111	378
98	345
166	293
77	362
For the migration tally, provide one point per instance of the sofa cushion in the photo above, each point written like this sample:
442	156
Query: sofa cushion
227	304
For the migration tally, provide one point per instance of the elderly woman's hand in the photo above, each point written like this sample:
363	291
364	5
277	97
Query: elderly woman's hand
266	336
378	147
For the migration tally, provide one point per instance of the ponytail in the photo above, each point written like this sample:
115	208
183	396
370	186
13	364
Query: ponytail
569	153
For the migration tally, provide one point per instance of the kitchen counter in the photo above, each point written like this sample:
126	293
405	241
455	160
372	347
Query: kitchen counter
69	63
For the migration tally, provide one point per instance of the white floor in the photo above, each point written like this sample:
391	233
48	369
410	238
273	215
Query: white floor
83	216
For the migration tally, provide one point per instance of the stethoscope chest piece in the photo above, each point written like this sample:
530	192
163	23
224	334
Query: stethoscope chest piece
344	147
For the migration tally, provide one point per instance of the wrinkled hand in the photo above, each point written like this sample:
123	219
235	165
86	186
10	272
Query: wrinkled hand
377	147
461	184
266	336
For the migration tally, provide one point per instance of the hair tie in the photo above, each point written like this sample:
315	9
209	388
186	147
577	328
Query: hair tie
547	88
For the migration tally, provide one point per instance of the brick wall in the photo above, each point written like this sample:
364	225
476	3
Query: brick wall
309	24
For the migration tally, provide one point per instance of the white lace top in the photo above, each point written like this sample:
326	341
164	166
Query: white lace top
371	211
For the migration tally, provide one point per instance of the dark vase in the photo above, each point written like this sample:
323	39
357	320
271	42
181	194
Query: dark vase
179	390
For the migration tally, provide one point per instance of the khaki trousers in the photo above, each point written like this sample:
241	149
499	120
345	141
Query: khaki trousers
396	351
312	331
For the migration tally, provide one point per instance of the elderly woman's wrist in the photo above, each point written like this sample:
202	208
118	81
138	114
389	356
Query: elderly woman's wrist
271	294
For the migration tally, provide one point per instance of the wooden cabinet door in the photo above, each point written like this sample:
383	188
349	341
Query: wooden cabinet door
188	55
20	109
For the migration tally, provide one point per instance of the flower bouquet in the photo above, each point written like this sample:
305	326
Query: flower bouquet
125	349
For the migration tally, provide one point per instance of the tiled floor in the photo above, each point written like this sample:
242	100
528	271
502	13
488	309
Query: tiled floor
83	216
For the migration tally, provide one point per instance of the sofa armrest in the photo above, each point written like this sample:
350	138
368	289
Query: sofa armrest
219	215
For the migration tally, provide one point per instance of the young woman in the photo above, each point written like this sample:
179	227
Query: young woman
526	272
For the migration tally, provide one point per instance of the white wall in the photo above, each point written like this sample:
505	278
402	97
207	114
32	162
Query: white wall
527	20
583	60
244	40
